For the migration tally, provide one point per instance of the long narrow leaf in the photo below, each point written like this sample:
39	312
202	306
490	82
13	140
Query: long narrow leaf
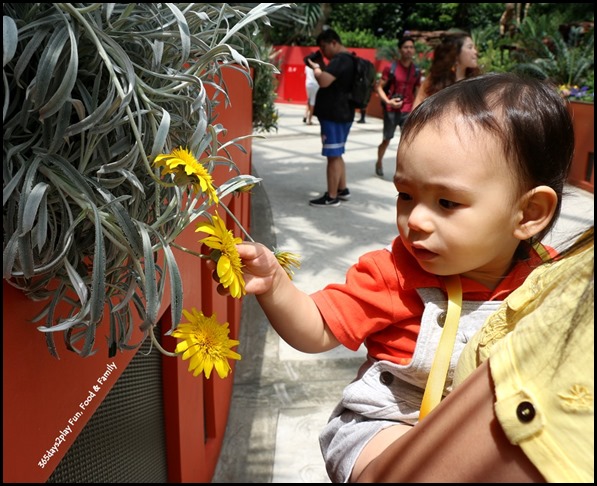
9	39
98	287
36	196
62	94
150	284
77	283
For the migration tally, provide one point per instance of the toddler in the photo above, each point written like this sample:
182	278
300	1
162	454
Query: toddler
479	177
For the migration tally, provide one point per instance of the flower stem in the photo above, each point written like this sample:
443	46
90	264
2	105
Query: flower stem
242	228
191	252
159	346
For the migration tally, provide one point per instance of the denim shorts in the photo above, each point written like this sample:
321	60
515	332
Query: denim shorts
333	137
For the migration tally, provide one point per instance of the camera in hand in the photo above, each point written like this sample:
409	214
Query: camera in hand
396	96
316	57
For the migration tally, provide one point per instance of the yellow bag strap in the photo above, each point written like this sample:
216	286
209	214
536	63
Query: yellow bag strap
542	251
441	362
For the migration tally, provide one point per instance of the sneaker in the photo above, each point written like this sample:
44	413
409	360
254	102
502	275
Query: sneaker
379	171
324	200
344	194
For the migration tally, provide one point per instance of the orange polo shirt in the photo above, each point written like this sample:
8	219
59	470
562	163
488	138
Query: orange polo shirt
379	305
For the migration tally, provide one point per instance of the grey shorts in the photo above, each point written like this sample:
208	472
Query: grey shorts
391	120
371	403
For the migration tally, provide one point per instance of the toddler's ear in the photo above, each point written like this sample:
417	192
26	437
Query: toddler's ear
537	210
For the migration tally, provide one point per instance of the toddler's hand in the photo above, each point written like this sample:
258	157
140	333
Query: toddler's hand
259	268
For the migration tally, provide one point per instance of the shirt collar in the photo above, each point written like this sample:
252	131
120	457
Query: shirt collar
411	276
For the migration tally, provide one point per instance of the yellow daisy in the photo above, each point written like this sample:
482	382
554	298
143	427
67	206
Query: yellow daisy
205	341
229	264
187	170
288	260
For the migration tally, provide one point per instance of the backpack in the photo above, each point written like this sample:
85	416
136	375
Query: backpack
363	82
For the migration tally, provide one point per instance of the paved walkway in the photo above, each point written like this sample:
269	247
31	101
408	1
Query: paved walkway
282	398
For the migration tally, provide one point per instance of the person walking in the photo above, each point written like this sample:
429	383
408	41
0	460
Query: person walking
335	113
397	89
363	112
454	58
311	87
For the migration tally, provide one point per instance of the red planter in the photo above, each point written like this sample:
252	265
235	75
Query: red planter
582	172
47	402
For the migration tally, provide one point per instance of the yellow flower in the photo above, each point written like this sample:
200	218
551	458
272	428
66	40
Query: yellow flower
288	260
187	170
206	343
229	264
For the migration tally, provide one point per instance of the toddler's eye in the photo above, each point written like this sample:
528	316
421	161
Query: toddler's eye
404	196
444	203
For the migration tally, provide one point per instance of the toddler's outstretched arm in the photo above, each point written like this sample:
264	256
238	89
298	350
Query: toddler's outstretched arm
291	312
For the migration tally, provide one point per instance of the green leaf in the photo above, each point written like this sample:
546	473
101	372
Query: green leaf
31	206
9	39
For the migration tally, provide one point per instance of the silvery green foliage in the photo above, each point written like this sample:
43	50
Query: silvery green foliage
92	93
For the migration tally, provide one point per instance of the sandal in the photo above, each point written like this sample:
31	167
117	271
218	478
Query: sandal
379	171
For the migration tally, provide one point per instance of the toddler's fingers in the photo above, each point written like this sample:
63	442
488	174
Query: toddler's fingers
248	250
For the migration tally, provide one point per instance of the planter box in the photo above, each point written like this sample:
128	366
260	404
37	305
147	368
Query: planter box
582	172
48	402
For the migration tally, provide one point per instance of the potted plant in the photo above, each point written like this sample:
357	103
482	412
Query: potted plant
568	62
109	151
113	153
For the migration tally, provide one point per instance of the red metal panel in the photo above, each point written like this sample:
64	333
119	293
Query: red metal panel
197	409
582	172
46	402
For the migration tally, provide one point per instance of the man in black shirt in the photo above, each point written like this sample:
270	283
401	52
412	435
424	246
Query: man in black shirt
335	113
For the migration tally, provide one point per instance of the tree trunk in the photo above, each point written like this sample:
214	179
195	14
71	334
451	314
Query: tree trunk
326	11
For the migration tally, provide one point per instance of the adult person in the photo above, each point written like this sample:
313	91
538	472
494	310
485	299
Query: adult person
397	90
335	113
522	409
454	58
311	87
363	112
475	224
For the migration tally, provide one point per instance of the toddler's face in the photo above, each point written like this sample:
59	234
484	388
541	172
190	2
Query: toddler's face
457	207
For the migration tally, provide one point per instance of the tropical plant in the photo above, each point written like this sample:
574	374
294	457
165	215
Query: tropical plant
265	114
109	147
544	52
